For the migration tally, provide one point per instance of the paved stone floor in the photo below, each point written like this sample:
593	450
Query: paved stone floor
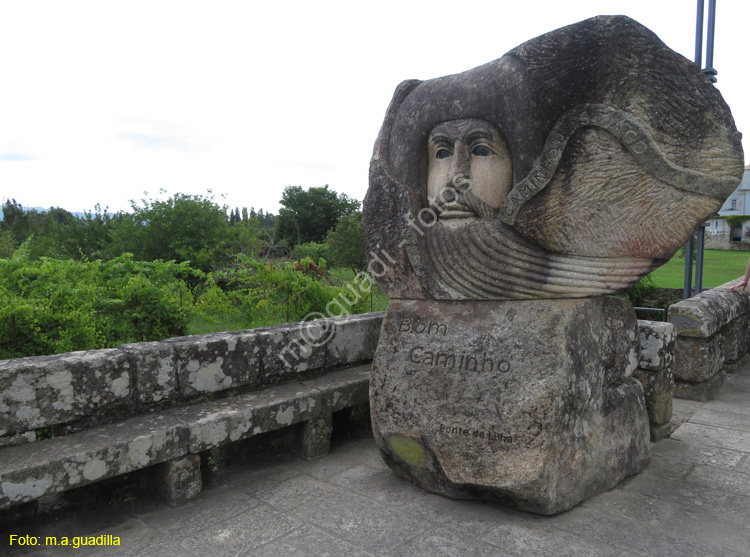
694	499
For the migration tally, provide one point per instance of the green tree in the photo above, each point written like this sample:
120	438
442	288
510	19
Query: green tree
346	245
245	238
55	233
7	245
16	221
182	228
306	216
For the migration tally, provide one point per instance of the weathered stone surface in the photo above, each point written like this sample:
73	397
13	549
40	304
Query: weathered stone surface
697	359
17	439
210	363
738	365
600	114
659	432
528	403
658	389
246	415
30	471
154	370
735	336
343	389
293	351
179	480
354	338
315	437
700	392
657	344
273	408
40	391
707	313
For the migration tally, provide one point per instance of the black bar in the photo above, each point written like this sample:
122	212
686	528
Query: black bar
710	34
699	260
687	290
699	35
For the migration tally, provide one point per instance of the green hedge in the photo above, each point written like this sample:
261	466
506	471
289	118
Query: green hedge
48	306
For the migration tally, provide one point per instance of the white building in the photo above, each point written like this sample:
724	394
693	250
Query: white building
738	203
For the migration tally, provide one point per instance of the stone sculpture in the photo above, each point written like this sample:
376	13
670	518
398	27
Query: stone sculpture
504	202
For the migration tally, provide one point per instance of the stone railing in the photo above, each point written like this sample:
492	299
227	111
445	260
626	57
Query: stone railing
72	419
712	339
71	392
112	411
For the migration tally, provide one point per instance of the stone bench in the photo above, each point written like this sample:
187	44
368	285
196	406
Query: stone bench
174	438
110	412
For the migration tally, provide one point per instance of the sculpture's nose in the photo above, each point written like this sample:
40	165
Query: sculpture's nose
460	167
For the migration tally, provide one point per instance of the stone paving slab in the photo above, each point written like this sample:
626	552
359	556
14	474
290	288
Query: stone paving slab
692	500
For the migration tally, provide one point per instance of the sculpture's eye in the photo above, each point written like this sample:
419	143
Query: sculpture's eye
481	151
442	154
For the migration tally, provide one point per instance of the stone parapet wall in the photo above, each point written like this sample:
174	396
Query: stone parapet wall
712	338
707	336
657	341
66	393
724	241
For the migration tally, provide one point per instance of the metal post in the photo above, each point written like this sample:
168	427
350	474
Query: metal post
710	34
709	70
710	73
699	34
699	260
687	290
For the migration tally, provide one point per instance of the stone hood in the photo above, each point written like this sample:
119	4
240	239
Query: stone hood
620	149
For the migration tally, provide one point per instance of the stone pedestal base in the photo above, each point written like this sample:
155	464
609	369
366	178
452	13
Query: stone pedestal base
528	403
661	431
700	392
315	437
178	481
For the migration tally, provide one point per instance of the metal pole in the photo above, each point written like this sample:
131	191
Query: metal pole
710	73
699	35
687	290
710	34
699	260
709	69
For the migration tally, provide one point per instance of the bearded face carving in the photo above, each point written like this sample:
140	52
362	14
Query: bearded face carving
556	171
469	170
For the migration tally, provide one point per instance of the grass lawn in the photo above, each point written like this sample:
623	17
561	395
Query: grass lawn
379	300
719	266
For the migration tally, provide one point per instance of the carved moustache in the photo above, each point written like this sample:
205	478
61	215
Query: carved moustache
467	202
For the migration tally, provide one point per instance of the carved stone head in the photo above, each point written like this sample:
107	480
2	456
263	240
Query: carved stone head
570	167
469	170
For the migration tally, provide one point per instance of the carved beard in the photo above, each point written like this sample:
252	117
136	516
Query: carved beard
486	259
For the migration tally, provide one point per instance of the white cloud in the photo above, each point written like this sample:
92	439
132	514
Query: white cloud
114	98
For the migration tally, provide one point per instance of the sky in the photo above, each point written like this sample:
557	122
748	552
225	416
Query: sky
102	101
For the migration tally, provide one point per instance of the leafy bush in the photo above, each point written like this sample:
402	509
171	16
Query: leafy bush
50	306
640	290
310	250
267	293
